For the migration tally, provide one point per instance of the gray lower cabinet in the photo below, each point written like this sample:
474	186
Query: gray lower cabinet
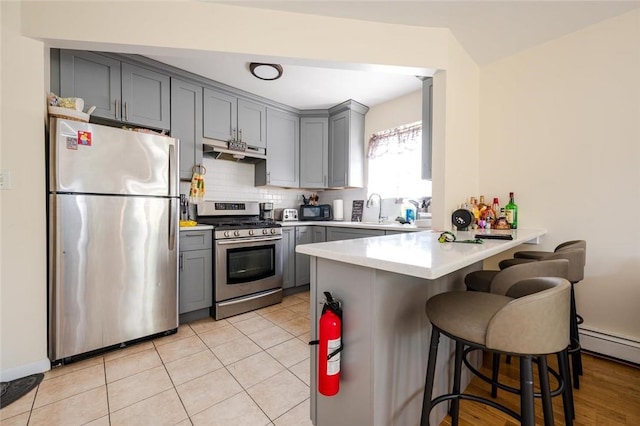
288	257
337	234
319	234
227	117
186	124
304	235
119	90
196	271
346	145
314	151
283	142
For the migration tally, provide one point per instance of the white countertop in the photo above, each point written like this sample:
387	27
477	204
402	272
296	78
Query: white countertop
389	226
418	254
196	228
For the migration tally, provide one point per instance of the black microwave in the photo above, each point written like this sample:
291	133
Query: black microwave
309	212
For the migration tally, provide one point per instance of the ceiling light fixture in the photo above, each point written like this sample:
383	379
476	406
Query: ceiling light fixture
265	71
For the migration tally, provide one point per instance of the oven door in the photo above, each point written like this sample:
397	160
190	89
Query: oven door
246	267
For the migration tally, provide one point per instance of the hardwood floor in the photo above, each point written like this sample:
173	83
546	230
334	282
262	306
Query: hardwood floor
609	395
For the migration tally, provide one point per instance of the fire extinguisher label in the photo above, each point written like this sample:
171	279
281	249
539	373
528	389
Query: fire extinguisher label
333	366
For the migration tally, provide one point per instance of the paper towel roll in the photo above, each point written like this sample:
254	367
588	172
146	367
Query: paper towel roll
338	210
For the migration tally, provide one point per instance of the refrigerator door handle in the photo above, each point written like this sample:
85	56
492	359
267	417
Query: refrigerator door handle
172	170
173	214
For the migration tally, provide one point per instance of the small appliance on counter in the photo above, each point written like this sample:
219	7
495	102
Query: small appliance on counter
462	219
266	211
338	210
320	212
286	215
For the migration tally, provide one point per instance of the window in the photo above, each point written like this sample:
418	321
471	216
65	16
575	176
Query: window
395	163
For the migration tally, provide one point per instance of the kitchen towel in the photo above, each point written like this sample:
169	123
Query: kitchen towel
338	210
196	192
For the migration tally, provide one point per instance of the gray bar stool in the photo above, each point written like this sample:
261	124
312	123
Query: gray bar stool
536	324
501	283
575	251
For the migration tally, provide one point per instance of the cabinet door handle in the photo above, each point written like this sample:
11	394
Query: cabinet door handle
268	177
126	112
181	262
324	180
234	134
115	104
240	131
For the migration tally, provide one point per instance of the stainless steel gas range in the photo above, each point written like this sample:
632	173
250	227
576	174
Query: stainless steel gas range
247	258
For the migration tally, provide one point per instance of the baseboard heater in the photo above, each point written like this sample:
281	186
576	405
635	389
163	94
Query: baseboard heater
623	348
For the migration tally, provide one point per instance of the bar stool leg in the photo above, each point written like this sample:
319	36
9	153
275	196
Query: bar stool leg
567	394
576	362
494	374
545	392
431	369
578	320
527	407
457	372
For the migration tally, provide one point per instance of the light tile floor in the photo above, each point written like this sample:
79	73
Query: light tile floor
251	369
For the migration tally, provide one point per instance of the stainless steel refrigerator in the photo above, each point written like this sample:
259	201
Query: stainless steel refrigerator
112	236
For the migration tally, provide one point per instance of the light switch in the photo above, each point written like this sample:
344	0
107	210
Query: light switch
5	179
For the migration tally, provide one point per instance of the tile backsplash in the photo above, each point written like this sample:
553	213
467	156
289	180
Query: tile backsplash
232	181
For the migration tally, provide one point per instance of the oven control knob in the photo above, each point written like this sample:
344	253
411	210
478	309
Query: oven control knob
236	233
251	232
226	233
273	231
264	231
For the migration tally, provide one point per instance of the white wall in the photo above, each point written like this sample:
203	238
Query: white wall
23	304
560	126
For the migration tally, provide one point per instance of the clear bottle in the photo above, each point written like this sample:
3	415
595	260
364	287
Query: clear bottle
511	211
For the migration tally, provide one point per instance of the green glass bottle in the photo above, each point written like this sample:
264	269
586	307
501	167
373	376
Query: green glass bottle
511	211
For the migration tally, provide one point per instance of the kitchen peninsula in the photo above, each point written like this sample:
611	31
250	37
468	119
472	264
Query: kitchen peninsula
383	284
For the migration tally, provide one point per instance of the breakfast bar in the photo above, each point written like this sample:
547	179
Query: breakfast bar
383	284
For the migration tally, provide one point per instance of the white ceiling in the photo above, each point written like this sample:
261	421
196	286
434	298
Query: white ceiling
488	30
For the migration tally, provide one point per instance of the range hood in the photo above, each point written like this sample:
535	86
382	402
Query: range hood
220	151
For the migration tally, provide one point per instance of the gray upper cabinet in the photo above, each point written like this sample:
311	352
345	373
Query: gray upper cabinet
314	151
186	124
228	117
120	91
283	141
346	145
427	126
220	115
252	123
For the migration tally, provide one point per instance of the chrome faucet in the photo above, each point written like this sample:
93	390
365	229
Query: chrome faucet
370	203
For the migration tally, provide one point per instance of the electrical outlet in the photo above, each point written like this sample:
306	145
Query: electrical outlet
5	179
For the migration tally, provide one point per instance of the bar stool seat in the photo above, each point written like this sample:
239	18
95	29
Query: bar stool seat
539	255
533	325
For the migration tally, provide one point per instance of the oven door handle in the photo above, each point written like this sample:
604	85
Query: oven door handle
253	297
253	240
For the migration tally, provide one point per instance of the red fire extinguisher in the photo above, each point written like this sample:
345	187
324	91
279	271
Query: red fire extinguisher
330	341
